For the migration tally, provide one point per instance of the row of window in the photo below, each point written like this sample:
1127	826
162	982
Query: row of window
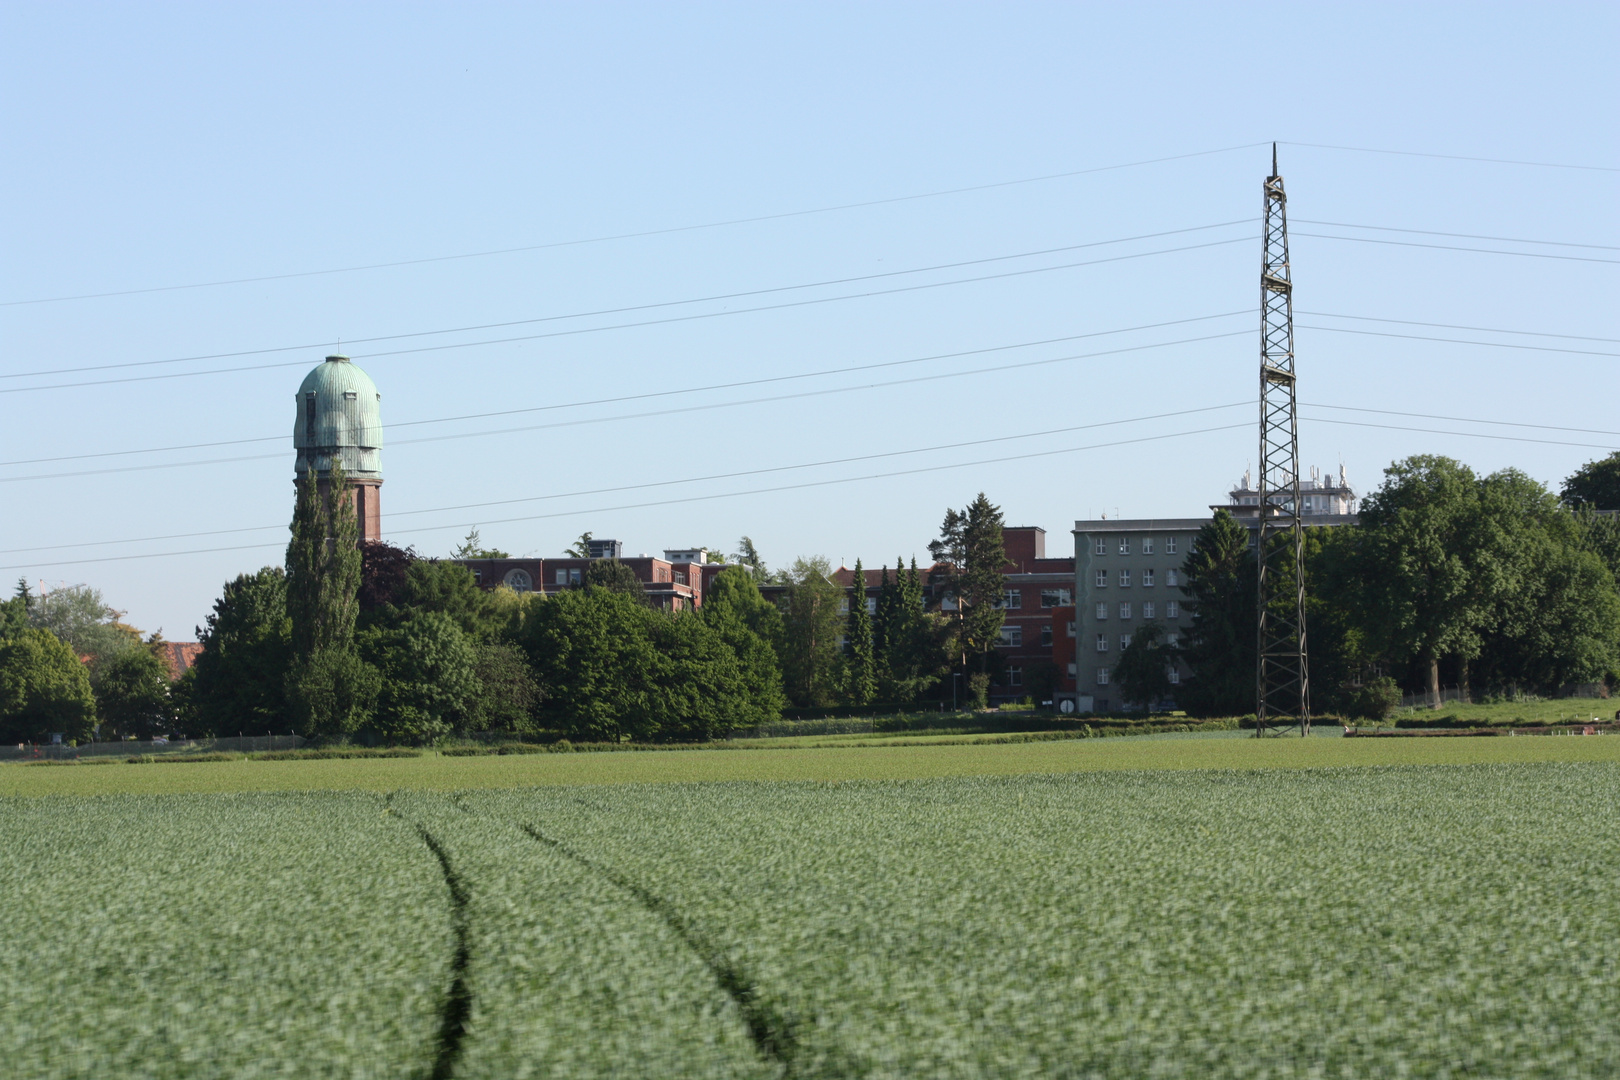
1148	579
1102	677
1124	543
1170	640
1050	598
1172	609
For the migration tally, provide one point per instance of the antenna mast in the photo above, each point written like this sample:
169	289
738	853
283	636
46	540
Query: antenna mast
1283	679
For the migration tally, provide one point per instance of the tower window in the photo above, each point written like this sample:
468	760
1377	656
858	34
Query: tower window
309	415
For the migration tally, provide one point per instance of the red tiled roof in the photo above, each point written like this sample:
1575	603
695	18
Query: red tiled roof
180	655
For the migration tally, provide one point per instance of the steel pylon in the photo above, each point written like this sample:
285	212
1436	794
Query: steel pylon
1283	675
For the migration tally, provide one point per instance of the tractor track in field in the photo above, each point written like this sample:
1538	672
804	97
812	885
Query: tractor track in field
457	1005
772	1033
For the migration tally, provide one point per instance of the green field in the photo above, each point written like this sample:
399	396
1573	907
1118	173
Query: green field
852	762
1094	908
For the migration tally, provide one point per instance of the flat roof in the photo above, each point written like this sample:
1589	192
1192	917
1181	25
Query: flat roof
1140	525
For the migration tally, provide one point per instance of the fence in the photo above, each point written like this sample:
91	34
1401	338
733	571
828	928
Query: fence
1479	696
245	744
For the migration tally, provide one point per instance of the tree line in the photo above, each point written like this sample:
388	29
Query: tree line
1489	583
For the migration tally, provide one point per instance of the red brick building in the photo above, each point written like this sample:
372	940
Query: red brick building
675	582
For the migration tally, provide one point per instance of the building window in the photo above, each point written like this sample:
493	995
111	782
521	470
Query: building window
350	395
1102	546
680	577
1046	637
1056	598
575	576
562	577
1124	579
518	581
1102	579
1147	545
1169	545
1102	642
309	415
1170	578
1124	642
1172	610
871	605
1147	579
1012	637
478	577
1102	609
1147	609
1175	676
1124	609
1172	640
1124	545
1012	598
1102	676
1071	628
1015	676
1074	671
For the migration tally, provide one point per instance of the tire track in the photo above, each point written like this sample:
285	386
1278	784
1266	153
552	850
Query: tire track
773	1034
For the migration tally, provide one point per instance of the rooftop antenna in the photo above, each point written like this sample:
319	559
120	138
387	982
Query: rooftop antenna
1282	677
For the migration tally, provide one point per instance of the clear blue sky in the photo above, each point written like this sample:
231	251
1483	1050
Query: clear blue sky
160	145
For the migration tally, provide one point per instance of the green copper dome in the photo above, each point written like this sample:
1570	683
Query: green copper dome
339	413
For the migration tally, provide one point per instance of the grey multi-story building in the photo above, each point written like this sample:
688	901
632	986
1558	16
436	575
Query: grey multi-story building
1126	574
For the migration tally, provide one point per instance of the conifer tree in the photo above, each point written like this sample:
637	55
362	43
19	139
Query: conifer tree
323	566
860	684
883	627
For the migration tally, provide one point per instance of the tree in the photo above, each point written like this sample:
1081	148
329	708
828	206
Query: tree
14	612
330	689
749	558
860	675
508	693
1595	484
809	645
239	680
383	569
132	695
473	548
449	589
323	566
750	625
971	553
1143	668
592	655
43	689
79	616
581	548
1220	586
699	690
909	642
613	575
428	682
1429	565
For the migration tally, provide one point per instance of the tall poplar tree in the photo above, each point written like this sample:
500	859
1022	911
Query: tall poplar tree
860	682
330	690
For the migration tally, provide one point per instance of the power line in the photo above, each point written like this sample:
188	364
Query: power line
1460	341
804	375
1459	236
1455	326
634	307
653	413
633	325
1453	247
693	498
633	235
1453	157
1466	419
670	483
1466	434
658	393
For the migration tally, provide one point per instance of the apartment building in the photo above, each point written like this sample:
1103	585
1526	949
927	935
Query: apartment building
1126	574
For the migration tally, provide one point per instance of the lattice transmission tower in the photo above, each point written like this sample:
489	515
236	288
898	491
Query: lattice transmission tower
1283	676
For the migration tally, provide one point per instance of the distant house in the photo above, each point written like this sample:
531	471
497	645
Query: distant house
179	656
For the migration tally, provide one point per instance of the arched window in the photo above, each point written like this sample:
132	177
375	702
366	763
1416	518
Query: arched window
518	580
